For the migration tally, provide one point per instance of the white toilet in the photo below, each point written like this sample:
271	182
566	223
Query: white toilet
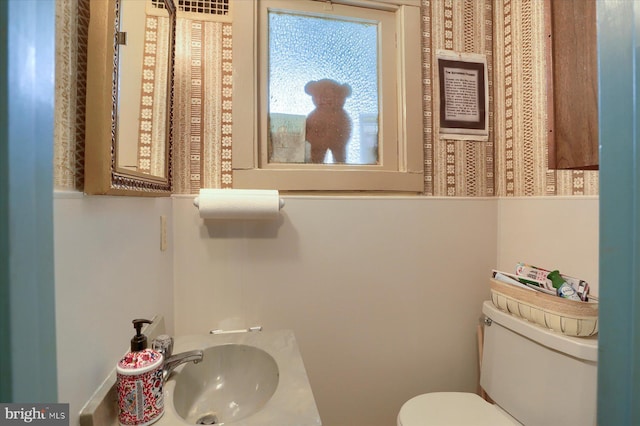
534	375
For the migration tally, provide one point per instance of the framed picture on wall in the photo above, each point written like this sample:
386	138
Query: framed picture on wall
464	100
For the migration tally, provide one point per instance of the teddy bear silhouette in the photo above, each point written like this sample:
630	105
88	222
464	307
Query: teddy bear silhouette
328	125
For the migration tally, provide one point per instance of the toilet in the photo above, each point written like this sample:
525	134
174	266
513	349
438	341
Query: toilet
535	376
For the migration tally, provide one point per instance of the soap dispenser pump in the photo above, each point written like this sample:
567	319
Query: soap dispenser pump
139	382
139	341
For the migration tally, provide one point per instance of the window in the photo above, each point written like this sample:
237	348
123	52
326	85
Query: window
331	63
327	95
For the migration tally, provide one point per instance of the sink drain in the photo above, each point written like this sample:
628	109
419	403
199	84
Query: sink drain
208	419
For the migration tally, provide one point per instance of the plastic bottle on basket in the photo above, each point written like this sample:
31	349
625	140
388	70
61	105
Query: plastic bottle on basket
563	289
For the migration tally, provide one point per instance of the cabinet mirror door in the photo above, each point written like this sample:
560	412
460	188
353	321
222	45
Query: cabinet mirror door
129	97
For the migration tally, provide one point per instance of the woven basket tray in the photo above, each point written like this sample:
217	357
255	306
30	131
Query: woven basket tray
569	317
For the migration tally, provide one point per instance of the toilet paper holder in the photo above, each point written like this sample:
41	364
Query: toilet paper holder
196	203
215	203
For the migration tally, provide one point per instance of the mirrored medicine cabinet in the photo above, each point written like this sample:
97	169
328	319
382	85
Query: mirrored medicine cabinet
130	65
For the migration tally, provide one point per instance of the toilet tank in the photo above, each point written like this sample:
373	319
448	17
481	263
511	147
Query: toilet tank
538	376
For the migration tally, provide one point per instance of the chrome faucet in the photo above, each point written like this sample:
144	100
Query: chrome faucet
174	361
164	345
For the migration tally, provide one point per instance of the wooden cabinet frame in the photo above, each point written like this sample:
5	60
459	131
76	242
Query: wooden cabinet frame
572	84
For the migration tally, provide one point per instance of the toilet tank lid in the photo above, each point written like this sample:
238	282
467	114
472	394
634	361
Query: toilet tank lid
585	348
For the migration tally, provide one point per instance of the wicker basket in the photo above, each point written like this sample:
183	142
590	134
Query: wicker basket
569	317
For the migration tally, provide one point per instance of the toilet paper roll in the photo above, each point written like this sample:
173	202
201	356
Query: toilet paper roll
238	204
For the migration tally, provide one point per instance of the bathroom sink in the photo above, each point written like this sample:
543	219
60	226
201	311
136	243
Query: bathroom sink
232	382
244	379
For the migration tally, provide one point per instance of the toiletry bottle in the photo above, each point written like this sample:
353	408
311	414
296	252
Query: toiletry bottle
139	383
563	289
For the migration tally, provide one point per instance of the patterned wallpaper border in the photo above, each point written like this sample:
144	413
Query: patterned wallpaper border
203	102
153	97
520	109
72	33
456	167
511	163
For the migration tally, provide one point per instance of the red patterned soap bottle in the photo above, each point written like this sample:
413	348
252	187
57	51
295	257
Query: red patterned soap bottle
139	385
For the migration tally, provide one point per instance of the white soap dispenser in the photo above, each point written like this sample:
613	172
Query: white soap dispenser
139	383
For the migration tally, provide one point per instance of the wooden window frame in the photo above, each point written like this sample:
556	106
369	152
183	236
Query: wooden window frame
249	170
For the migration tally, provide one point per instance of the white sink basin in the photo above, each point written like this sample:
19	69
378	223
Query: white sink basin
232	382
244	379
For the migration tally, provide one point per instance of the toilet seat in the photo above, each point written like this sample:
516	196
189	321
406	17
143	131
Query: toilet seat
452	409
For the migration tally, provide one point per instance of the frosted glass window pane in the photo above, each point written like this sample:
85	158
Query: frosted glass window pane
305	49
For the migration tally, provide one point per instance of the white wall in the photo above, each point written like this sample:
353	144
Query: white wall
108	269
383	294
550	232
